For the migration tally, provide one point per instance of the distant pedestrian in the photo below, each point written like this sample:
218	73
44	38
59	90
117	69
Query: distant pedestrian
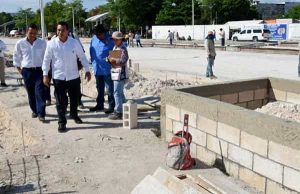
28	58
211	54
2	64
119	73
299	60
222	36
214	33
131	36
100	46
63	52
138	39
170	37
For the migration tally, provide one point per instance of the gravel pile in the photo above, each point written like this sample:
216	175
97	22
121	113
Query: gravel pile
282	110
139	86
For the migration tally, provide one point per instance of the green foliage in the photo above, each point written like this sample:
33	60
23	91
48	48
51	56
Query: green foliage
24	17
294	12
5	17
134	12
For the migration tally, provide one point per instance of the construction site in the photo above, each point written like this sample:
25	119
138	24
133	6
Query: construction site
244	126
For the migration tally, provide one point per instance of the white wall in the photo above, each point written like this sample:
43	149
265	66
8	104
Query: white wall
294	32
200	31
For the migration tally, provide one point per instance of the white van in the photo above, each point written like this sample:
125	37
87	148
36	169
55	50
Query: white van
254	34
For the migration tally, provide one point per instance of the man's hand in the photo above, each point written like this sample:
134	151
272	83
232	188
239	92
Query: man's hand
88	76
46	81
19	70
111	60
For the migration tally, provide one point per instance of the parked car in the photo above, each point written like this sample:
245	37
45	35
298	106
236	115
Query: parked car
253	34
15	33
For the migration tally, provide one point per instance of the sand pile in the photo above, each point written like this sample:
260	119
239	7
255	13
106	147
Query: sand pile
284	110
139	86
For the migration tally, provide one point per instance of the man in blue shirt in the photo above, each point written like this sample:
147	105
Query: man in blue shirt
101	44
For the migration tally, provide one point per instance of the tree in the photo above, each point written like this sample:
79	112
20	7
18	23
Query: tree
23	18
134	13
294	12
5	17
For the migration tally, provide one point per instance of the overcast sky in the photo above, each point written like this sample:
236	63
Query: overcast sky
12	6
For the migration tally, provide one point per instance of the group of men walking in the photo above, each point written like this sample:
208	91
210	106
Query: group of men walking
35	60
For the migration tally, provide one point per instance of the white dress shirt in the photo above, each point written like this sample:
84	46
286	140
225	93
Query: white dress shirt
63	58
2	48
29	55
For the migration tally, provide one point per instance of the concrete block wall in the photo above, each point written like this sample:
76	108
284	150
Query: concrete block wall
259	149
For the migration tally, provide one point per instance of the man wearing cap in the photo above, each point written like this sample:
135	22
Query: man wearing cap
119	73
100	46
28	59
62	52
211	54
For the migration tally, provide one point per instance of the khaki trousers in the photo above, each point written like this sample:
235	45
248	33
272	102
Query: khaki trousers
2	70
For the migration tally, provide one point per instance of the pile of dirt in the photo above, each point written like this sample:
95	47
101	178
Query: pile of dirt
283	110
139	86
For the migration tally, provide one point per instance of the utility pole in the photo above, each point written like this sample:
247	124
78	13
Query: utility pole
73	19
42	18
193	18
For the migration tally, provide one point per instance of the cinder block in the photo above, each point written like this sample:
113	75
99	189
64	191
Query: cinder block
169	136
198	136
253	179
150	185
206	156
172	112
230	98
268	168
254	144
285	155
214	145
246	96
177	126
130	115
242	104
232	168
240	156
169	125
192	117
277	94
291	179
193	148
229	133
217	97
293	98
207	125
260	94
252	105
275	188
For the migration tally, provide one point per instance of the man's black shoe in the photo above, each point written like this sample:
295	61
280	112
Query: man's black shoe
115	116
109	111
42	119
62	128
34	115
96	108
77	120
4	85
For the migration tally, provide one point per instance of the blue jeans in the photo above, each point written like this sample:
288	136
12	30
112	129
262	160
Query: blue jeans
35	90
119	95
103	81
210	63
299	67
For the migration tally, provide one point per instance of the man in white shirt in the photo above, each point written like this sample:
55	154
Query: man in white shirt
222	36
28	58
62	52
2	64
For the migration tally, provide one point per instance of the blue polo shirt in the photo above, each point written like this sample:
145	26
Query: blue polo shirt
99	50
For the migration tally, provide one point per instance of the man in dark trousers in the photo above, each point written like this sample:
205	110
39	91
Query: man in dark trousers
28	58
62	52
101	44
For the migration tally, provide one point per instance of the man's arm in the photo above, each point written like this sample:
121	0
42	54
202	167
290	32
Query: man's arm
80	54
17	57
